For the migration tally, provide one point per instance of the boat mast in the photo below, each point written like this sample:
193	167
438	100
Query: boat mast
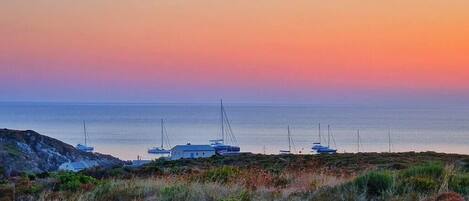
84	131
222	122
328	136
289	139
358	141
319	129
162	133
389	140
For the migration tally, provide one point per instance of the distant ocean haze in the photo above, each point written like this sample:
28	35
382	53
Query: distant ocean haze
128	130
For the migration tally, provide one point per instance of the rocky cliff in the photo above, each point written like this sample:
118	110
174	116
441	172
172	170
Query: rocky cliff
29	151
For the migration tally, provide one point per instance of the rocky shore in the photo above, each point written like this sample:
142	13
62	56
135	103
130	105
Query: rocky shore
29	151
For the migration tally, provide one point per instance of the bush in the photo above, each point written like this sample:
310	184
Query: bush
422	184
72	181
421	179
118	172
13	150
375	183
434	170
24	186
174	193
152	169
43	175
220	175
460	183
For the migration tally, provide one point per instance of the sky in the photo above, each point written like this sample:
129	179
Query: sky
302	51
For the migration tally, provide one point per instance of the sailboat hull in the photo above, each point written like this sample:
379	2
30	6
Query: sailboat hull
326	151
225	149
158	151
84	148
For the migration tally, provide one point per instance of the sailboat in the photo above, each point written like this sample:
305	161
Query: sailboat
226	135
317	145
289	143
327	149
161	150
84	147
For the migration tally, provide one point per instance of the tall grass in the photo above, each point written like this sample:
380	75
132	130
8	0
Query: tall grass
422	179
376	183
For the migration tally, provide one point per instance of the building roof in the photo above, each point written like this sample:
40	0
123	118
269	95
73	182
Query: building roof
190	147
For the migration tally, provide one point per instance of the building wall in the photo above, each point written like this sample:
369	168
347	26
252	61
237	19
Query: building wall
191	154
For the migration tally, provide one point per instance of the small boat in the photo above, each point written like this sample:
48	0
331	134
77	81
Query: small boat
161	150
226	134
283	152
85	147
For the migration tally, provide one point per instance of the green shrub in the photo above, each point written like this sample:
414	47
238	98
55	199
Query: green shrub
24	186
117	172
178	170
32	177
422	184
174	193
220	175
465	166
72	181
434	170
43	175
460	183
13	150
375	183
422	179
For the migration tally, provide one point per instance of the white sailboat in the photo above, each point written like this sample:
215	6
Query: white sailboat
317	145
85	147
289	143
226	135
161	149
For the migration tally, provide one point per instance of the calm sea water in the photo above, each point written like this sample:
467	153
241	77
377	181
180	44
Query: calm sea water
128	130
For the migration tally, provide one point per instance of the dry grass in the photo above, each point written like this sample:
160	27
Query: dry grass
174	188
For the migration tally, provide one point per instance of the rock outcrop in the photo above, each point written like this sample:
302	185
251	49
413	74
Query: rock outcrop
29	151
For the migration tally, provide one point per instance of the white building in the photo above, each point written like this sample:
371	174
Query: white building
77	166
192	151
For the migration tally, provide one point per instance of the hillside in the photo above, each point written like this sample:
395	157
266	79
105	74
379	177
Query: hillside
29	151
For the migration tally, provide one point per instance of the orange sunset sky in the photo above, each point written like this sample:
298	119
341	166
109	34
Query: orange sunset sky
266	50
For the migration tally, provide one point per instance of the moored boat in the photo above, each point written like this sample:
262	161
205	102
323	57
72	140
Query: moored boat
227	134
85	147
161	150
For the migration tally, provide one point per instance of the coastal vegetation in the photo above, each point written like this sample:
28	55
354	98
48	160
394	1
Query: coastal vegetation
363	176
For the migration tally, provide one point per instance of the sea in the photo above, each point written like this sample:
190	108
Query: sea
128	130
